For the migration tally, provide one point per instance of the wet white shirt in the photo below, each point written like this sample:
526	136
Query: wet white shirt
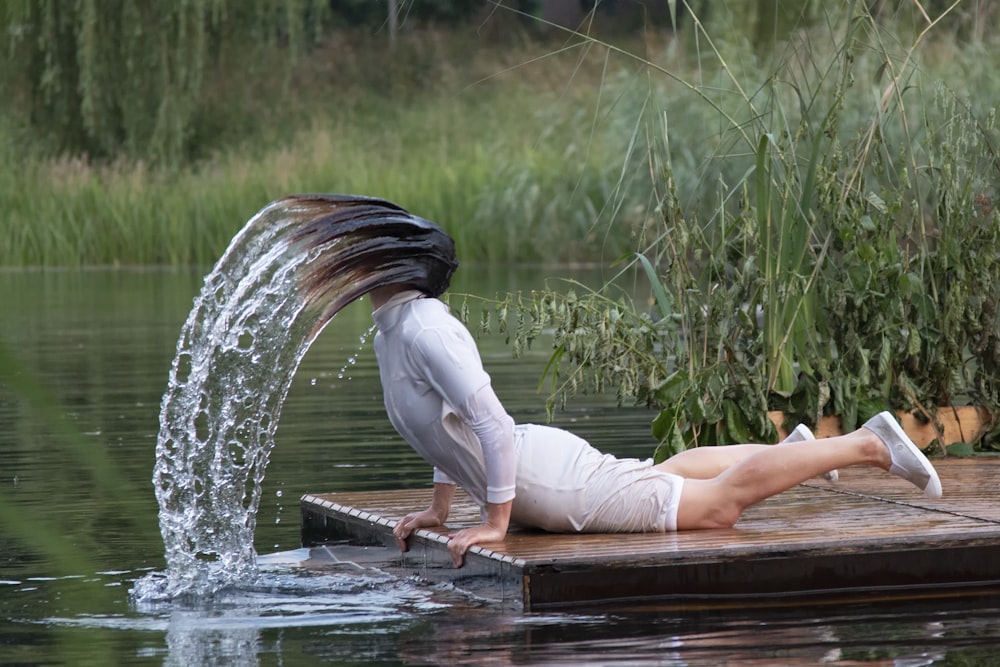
439	397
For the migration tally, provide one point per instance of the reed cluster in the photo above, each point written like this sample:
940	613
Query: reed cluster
827	244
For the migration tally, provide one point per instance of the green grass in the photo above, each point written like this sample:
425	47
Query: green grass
487	179
521	166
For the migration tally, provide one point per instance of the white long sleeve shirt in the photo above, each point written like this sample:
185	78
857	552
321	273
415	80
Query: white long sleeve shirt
439	397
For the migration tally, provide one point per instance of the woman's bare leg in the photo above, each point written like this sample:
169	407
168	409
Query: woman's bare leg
767	471
708	462
881	442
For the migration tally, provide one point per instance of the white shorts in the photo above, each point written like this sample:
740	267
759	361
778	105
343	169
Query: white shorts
564	485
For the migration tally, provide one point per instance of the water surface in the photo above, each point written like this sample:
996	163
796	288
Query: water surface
78	521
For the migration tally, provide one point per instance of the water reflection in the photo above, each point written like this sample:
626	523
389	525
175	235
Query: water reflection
101	342
336	613
480	636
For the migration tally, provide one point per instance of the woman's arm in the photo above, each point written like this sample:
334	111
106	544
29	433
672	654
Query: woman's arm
453	367
450	363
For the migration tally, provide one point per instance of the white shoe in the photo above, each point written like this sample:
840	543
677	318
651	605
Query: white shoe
908	461
801	433
798	434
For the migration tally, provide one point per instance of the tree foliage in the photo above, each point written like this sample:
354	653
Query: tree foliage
106	77
110	78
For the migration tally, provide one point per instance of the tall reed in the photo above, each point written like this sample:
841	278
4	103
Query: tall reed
811	263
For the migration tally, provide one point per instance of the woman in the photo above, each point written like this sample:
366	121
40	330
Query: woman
440	400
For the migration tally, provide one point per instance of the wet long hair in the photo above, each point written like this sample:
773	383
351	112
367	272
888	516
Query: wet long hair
357	243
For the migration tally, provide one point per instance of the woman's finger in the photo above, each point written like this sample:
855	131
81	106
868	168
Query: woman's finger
457	549
401	532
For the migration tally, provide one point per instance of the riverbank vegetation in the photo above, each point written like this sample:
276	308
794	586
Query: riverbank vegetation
529	144
517	143
832	249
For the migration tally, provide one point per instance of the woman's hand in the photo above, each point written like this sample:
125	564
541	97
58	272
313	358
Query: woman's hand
460	542
435	515
413	521
494	529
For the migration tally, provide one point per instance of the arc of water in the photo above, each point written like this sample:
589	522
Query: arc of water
283	277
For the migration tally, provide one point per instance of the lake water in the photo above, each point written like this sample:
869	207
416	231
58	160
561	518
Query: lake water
78	523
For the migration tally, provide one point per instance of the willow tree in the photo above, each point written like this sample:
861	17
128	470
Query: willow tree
106	77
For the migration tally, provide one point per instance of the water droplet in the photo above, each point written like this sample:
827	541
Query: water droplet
313	382
278	493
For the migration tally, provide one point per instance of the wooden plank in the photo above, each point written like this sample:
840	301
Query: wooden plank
870	534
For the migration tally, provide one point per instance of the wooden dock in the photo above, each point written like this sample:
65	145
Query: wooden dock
869	537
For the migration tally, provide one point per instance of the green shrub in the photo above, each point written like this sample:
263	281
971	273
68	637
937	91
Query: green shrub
836	252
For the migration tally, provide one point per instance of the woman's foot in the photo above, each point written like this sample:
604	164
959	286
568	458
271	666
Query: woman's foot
908	461
801	433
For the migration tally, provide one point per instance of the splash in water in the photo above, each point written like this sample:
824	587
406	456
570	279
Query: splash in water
286	274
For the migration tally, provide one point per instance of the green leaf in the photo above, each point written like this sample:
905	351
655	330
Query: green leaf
662	300
672	389
695	406
877	202
736	427
910	284
666	429
552	366
961	449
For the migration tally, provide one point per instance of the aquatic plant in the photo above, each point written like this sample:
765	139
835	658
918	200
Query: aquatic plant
837	257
